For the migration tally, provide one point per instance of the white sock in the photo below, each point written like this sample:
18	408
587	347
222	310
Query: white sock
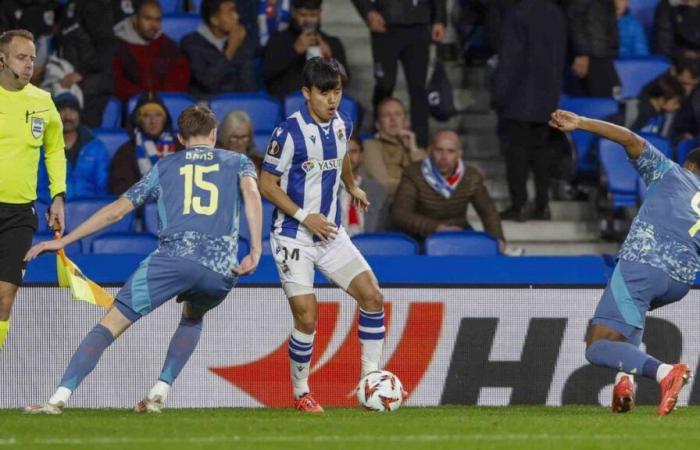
662	371
371	333
300	351
619	376
62	394
161	388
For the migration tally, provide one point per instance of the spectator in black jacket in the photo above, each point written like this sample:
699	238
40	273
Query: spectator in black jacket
686	122
221	51
677	29
288	50
402	30
592	26
657	101
526	91
87	42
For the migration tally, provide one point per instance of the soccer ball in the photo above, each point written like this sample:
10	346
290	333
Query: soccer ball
380	390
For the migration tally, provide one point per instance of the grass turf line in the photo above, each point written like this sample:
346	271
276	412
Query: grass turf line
451	427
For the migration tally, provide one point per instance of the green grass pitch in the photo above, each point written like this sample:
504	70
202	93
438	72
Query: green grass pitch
449	427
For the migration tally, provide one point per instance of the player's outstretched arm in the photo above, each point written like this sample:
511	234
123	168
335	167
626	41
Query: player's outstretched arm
316	223
568	121
101	219
253	213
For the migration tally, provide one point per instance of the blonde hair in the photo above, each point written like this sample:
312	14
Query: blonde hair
231	121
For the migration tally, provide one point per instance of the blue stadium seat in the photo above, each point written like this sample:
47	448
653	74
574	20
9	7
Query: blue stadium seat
264	111
643	10
268	208
595	108
112	115
72	249
294	102
112	138
150	218
196	5
461	243
660	142
622	178
261	140
176	26
77	211
684	147
385	244
637	72
266	247
171	6
133	243
41	209
175	102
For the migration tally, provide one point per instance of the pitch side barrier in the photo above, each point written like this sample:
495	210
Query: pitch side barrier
467	338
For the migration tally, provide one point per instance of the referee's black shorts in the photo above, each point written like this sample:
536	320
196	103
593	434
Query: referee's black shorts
17	226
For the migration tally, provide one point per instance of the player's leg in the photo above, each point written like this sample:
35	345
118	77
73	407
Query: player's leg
84	360
208	293
345	266
295	266
614	335
17	227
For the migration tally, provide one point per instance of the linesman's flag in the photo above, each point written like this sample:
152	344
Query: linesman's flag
81	287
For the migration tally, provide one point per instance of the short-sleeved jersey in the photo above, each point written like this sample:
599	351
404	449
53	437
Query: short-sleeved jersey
308	158
198	197
28	121
666	232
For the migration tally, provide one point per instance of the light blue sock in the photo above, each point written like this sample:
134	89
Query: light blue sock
86	356
622	356
182	345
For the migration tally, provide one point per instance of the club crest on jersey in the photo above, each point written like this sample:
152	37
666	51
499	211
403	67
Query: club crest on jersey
341	134
37	127
273	149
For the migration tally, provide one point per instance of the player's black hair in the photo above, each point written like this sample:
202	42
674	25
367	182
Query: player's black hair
694	156
665	86
210	8
307	4
323	73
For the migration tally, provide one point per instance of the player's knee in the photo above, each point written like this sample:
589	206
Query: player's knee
593	351
306	324
374	301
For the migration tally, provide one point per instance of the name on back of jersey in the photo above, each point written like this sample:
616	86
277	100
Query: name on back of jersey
199	156
314	165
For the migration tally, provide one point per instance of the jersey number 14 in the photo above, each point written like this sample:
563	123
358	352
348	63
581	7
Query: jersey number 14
194	174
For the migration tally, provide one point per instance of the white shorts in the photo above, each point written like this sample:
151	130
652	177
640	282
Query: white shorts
339	260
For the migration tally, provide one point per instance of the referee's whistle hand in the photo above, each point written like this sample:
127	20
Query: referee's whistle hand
42	247
56	217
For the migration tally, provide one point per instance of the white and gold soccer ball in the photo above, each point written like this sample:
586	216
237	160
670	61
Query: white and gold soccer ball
381	391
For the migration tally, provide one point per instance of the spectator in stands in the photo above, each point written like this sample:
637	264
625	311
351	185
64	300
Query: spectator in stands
87	158
146	60
402	30
592	27
434	194
658	99
376	218
37	16
86	40
526	91
60	76
236	133
273	16
288	50
633	40
221	51
394	146
676	25
152	139
686	123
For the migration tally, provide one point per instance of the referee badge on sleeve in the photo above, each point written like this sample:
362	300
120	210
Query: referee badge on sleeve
37	127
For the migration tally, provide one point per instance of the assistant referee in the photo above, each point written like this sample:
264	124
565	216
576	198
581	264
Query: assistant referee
28	121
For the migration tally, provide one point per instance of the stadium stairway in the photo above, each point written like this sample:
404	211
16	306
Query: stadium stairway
574	228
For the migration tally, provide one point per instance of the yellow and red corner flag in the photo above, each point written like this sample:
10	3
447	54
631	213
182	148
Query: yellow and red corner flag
81	287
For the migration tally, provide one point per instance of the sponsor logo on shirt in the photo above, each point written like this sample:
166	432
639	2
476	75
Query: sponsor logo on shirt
314	165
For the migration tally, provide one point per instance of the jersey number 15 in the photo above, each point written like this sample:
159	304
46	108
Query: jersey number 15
195	175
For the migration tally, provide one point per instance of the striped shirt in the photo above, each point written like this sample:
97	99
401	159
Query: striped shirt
308	158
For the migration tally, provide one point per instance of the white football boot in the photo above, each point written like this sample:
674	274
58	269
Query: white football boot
53	409
150	405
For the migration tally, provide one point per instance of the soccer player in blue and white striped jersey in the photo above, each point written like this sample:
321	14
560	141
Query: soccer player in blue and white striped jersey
304	166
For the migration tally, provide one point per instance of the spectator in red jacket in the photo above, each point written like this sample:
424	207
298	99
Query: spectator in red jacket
146	60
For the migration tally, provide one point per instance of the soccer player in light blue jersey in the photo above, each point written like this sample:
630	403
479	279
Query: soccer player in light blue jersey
198	191
657	264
